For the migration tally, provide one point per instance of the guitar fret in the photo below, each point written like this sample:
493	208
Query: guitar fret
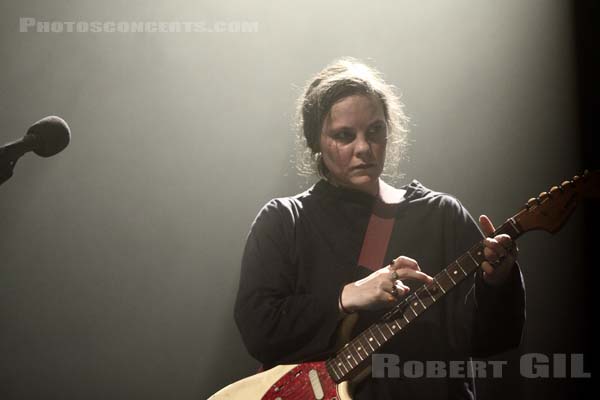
415	306
401	322
365	354
353	351
367	341
391	332
389	329
340	364
353	348
479	257
360	340
430	295
440	286
418	298
473	259
445	280
414	312
334	369
382	334
358	347
338	369
513	225
398	322
362	357
372	336
339	375
460	267
454	269
347	366
349	357
424	297
509	228
392	327
450	276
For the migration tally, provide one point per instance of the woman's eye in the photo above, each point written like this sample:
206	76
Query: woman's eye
378	131
343	136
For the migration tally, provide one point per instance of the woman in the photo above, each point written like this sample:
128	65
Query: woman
307	262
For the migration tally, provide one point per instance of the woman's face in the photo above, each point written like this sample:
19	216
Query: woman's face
353	141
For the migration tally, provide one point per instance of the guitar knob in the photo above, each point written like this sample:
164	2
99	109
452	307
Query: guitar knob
566	184
575	178
543	196
532	202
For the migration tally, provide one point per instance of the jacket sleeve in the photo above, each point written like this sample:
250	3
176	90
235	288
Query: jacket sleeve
497	313
277	323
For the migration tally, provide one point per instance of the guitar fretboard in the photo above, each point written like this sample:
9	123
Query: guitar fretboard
352	357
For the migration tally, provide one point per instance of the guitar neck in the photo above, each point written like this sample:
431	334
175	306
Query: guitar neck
352	358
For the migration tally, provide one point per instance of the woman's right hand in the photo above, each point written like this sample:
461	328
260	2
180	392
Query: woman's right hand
383	287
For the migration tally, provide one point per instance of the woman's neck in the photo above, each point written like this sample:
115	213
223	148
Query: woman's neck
371	189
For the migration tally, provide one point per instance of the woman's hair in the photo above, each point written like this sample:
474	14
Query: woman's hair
343	78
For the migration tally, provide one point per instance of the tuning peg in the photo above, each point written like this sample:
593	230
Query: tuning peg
555	189
532	202
543	196
566	184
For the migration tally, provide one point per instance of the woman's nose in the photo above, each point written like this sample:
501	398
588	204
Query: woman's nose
362	145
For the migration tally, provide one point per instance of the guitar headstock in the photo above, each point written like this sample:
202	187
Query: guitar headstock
550	210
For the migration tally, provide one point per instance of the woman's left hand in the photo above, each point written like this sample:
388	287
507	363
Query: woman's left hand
500	252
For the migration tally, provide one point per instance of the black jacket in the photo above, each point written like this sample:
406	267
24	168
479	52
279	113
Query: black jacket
300	252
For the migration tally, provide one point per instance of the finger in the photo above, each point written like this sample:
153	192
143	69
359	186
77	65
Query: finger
512	252
496	260
404	262
398	289
487	268
401	287
416	275
493	250
397	285
388	292
397	292
486	225
505	241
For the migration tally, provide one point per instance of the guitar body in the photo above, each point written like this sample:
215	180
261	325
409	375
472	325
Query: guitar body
306	381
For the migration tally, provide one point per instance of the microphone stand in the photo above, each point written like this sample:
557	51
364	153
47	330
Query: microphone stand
7	165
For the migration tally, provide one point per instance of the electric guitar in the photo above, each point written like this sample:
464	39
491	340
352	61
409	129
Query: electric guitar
335	377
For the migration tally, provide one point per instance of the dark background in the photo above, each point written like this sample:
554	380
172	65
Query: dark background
120	256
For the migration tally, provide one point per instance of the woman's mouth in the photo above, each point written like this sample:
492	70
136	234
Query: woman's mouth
363	166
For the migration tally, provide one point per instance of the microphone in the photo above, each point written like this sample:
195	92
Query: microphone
46	137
